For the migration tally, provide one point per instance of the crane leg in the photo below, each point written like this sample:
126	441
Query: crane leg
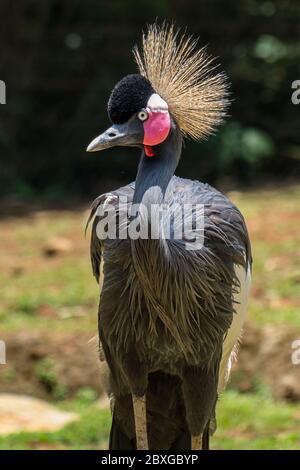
201	442
196	443
205	438
140	419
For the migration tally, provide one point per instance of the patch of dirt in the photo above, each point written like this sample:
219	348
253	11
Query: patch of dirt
57	365
266	358
57	246
50	365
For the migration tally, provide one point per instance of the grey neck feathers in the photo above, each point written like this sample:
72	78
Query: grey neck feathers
155	173
150	255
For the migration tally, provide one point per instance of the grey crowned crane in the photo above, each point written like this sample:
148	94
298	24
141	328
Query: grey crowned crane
170	314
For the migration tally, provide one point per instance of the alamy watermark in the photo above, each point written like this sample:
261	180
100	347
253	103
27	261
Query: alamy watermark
296	94
149	221
295	356
2	92
2	353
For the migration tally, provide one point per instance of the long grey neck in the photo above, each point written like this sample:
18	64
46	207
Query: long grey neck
155	173
153	177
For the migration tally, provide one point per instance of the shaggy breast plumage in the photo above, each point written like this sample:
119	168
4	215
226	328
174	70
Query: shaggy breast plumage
175	308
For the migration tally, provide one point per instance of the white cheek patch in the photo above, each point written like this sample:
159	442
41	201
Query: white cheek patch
156	104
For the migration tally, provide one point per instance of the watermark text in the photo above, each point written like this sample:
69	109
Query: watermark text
2	92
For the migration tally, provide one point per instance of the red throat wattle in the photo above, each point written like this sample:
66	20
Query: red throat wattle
156	130
149	151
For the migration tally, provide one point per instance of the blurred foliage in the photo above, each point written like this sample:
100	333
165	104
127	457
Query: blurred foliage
60	59
45	372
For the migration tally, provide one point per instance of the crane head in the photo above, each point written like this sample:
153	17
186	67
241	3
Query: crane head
177	85
139	116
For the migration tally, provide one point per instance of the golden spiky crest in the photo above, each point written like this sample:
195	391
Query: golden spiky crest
185	78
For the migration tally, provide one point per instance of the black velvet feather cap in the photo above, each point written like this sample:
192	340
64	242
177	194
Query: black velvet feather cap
129	96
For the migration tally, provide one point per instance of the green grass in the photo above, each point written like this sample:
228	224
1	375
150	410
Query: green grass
245	421
273	218
255	421
90	432
32	282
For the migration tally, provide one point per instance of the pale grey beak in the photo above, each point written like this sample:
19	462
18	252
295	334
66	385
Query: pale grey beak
128	134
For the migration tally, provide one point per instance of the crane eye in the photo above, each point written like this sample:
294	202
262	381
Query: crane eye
143	115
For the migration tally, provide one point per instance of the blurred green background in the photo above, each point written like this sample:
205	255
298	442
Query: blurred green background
59	60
